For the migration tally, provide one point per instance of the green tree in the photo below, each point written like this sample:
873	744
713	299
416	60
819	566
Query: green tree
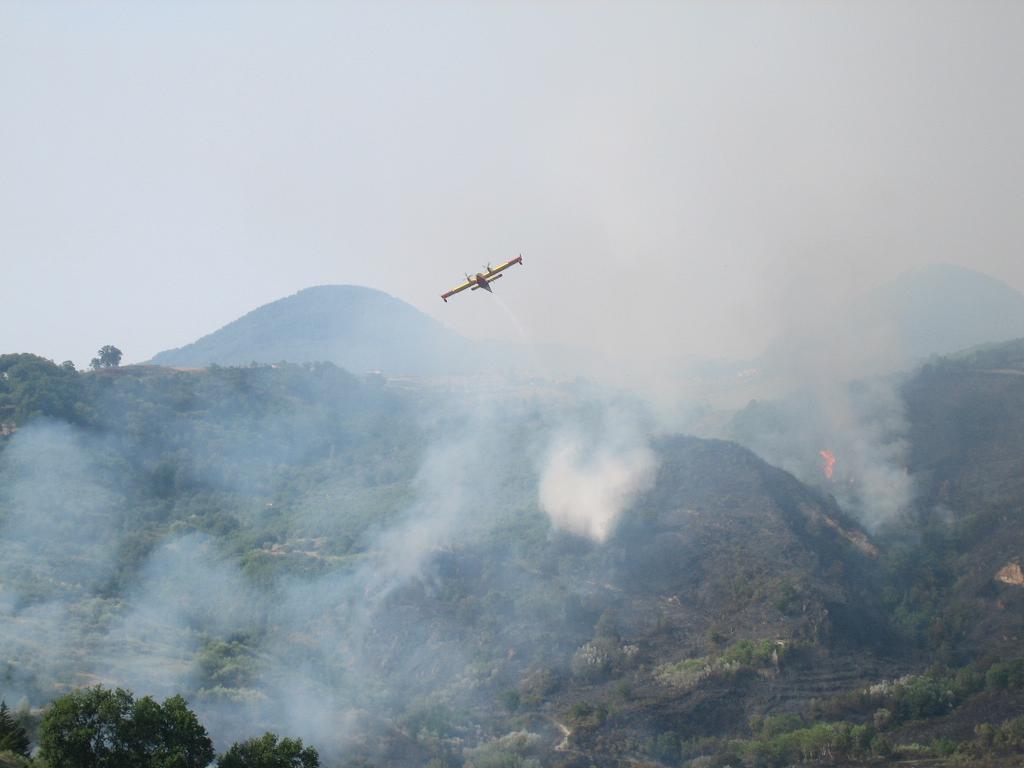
13	736
32	386
101	728
108	357
172	733
269	752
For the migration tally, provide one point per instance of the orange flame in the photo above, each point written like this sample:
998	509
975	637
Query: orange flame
830	462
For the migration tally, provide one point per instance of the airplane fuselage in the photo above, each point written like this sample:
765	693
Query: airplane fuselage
482	279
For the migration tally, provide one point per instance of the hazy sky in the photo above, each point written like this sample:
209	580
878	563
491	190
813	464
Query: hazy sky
682	177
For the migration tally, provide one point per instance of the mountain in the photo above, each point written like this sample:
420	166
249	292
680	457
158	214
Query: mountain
935	310
359	329
943	308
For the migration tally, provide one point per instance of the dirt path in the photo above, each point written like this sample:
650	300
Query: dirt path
563	745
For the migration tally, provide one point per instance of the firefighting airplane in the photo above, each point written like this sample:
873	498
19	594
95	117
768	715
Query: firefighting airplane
482	279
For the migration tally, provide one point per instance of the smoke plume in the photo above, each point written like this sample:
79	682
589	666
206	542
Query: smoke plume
586	485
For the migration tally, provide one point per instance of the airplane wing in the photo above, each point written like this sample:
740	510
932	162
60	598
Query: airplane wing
490	276
501	267
457	289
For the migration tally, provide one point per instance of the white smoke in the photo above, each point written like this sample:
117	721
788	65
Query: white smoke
585	487
58	547
299	653
862	423
186	592
869	434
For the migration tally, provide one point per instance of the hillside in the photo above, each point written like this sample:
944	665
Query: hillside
295	526
741	592
940	451
264	537
966	417
359	329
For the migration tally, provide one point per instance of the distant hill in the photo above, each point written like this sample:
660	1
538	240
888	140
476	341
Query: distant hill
935	310
943	308
360	329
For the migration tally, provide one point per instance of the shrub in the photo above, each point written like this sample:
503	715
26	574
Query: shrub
598	658
779	724
510	700
583	714
1005	675
508	751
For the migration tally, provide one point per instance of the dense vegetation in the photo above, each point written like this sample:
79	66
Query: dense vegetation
201	451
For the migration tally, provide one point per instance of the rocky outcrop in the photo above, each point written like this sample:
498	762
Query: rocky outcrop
1011	573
